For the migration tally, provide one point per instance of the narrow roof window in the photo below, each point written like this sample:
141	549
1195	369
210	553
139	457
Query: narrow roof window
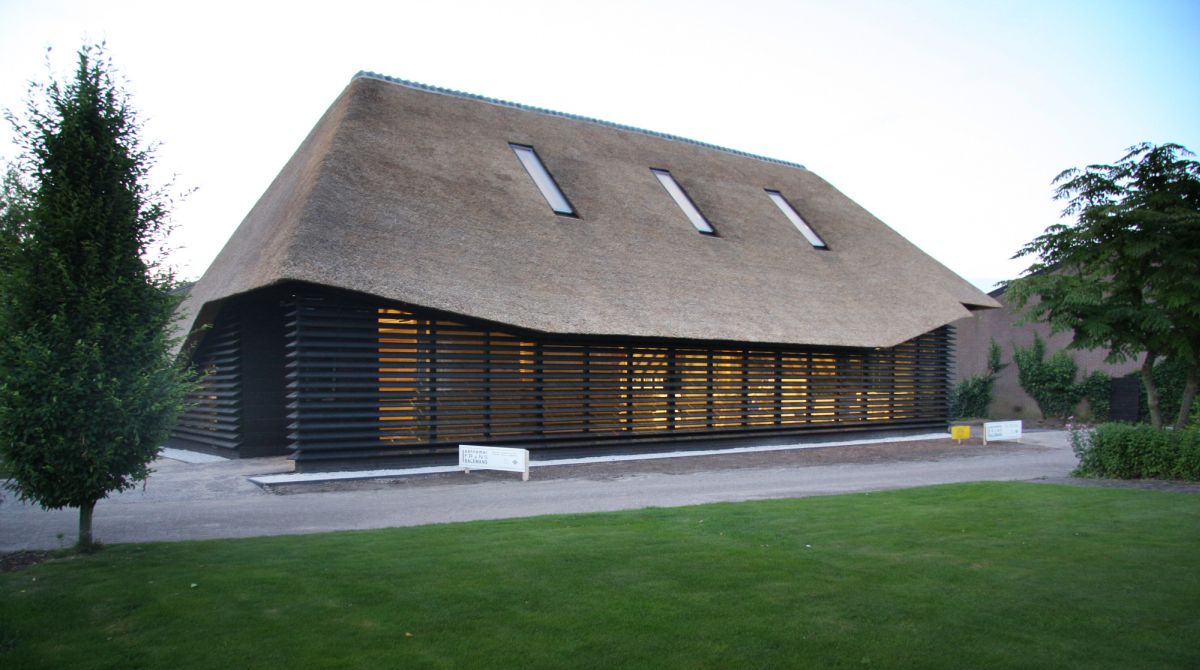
685	203
542	179
794	216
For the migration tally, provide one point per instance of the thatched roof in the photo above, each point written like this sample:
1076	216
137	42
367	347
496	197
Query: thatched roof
414	194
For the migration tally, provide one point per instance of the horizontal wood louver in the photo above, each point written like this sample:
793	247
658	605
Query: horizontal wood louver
374	379
212	417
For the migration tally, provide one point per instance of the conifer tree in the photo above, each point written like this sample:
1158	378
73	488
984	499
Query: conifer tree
89	384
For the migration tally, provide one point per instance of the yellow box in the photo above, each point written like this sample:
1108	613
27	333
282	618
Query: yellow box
960	432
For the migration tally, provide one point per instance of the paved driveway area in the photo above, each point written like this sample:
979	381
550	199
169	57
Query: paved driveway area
217	500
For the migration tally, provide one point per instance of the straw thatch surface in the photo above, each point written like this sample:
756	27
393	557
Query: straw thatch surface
414	195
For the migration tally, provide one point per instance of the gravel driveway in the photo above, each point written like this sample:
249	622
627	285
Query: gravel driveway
216	500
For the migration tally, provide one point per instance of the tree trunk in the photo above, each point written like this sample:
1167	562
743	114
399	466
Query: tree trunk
1151	390
1189	397
85	542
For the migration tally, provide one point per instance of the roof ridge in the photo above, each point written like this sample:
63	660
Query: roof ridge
366	74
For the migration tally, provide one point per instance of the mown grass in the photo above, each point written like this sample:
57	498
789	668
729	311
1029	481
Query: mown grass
980	575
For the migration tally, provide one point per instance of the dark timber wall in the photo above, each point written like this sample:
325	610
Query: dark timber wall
264	421
212	421
239	408
366	379
336	378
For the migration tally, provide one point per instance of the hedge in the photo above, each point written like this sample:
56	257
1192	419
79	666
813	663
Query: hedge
1137	451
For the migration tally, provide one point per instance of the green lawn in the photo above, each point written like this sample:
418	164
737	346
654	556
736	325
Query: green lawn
979	575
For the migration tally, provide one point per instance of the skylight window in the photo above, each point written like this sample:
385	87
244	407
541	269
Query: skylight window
685	203
794	216
542	179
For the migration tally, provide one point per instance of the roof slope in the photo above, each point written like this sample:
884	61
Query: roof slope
413	194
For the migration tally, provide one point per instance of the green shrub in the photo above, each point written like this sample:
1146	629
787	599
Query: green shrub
972	396
1137	451
1097	389
1051	383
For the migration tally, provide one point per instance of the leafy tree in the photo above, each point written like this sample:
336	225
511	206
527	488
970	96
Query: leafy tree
1170	378
89	386
1125	276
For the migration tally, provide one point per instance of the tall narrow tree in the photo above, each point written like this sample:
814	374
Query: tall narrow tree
89	386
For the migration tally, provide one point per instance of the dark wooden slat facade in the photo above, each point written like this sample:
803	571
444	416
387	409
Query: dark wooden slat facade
374	380
213	419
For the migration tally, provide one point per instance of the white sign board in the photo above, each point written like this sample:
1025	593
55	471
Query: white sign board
472	457
997	431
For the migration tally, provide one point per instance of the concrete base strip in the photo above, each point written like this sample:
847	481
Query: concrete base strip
312	477
737	450
315	477
189	456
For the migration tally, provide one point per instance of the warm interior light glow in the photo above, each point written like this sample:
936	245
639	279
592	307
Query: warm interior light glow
443	380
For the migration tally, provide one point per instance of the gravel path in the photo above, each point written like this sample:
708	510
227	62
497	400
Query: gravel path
216	500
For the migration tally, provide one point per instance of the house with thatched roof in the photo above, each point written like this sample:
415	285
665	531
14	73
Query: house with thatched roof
433	268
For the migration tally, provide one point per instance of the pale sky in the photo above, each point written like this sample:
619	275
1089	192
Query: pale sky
947	120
